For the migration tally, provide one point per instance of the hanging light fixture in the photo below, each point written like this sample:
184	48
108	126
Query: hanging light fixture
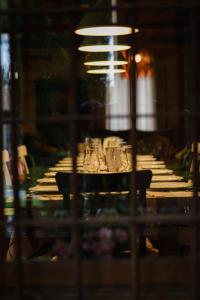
103	24
106	63
102	32
105	59
103	48
105	71
113	30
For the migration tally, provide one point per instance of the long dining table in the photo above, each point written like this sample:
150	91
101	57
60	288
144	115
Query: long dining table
167	194
164	184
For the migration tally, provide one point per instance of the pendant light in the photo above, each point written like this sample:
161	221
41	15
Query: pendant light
105	63
102	24
105	71
105	59
102	33
113	30
103	48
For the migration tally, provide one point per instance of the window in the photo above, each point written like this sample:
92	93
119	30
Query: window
146	93
70	243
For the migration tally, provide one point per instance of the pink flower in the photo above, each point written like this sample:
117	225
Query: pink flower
61	248
105	234
121	235
95	247
107	247
86	246
103	249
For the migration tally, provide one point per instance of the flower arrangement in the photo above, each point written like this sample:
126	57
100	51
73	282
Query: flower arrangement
98	242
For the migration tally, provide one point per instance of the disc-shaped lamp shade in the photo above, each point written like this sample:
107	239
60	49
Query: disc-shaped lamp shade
103	48
106	63
105	71
104	30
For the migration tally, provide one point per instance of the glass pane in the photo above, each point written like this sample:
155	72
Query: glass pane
73	110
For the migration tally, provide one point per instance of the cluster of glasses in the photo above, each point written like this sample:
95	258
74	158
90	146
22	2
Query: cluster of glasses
110	154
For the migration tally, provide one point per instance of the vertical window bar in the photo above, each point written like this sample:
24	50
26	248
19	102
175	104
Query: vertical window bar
135	280
195	174
14	169
2	201
73	143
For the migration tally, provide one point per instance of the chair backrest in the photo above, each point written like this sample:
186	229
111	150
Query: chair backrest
22	153
198	148
6	172
192	159
110	182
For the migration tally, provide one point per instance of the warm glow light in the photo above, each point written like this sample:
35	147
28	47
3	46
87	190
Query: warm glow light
106	63
138	58
103	48
104	30
105	71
